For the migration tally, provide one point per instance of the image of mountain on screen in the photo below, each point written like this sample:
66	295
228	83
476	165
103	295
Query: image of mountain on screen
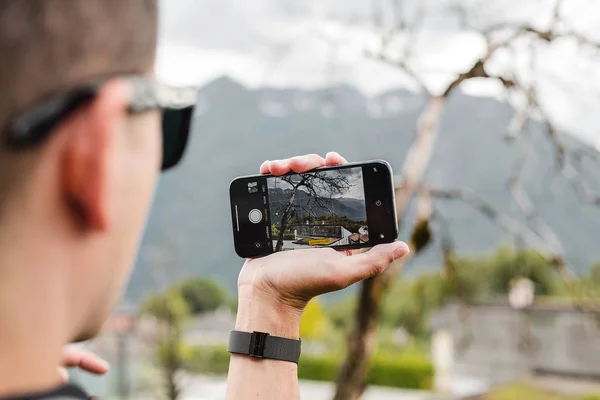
321	208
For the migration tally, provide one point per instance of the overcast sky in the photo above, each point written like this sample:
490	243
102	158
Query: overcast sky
316	43
355	190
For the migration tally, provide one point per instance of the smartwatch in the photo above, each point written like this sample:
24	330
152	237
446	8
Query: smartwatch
263	345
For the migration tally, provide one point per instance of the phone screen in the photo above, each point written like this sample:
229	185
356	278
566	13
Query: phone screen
320	208
342	207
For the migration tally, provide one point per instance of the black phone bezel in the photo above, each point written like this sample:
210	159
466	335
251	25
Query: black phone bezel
381	217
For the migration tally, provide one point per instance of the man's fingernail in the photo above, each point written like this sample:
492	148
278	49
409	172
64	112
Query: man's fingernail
401	250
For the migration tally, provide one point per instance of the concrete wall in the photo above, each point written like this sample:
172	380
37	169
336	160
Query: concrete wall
496	342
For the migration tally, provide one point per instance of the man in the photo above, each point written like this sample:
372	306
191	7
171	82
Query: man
80	153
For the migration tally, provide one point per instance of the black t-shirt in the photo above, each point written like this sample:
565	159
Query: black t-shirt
69	392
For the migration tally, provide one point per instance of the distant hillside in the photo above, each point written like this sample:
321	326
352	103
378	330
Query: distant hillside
353	209
235	130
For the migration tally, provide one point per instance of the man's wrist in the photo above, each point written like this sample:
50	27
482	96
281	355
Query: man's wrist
252	378
266	314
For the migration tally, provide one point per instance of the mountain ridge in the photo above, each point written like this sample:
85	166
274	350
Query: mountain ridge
354	209
189	231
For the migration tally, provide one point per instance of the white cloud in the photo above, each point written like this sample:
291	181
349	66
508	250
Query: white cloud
317	43
188	65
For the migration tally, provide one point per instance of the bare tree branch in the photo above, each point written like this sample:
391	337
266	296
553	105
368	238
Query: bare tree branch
554	31
478	69
534	232
509	224
419	153
401	64
526	205
522	116
410	30
564	160
582	189
515	183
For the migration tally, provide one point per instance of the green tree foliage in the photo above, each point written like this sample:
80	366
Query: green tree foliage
465	279
287	235
588	288
170	311
203	295
411	302
168	308
594	275
507	265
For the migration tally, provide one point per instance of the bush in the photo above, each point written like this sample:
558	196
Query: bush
211	360
318	368
414	372
401	371
526	392
287	235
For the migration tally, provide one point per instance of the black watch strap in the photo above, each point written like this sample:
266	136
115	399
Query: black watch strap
263	345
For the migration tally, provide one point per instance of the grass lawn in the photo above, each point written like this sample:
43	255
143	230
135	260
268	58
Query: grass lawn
522	392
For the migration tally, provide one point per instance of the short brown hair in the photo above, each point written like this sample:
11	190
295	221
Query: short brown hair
47	45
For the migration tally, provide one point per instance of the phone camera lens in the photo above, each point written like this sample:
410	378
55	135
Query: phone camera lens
382	236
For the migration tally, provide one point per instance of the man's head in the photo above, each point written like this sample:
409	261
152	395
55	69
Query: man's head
72	207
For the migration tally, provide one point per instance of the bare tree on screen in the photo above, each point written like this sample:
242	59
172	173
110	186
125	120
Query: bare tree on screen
534	232
319	187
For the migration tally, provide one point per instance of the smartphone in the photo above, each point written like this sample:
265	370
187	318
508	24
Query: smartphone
349	206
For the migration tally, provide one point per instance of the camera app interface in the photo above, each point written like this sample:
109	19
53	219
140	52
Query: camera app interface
321	208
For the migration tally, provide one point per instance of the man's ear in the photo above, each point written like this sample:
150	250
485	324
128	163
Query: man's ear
87	155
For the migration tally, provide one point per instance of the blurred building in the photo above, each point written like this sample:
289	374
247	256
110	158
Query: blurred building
497	342
209	329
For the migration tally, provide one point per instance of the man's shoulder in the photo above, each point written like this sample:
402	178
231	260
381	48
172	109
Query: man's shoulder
68	392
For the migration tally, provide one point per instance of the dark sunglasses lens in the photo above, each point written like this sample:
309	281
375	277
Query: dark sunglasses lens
176	129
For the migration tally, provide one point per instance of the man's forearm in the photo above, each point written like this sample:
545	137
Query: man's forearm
251	378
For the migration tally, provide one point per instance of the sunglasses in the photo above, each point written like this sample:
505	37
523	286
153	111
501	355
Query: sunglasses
177	104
